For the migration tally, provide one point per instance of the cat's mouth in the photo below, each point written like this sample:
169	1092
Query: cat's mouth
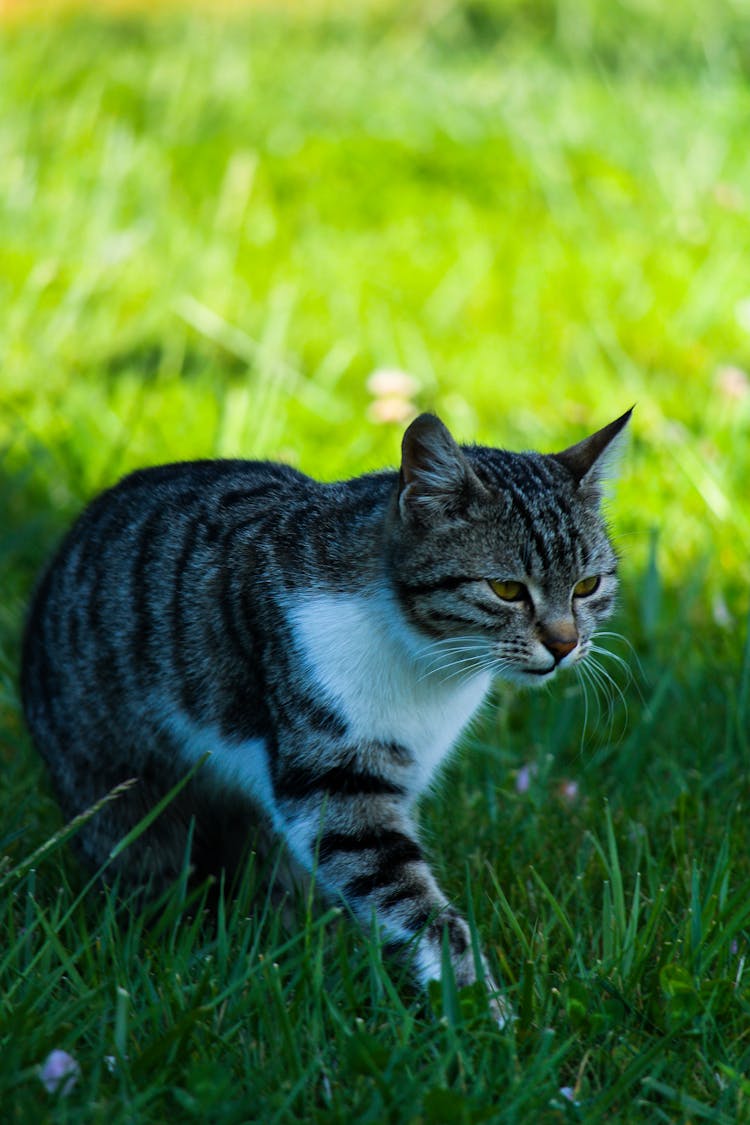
540	671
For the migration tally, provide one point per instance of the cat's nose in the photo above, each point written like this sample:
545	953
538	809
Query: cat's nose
560	640
559	649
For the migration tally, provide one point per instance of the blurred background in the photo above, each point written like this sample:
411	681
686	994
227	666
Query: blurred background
279	230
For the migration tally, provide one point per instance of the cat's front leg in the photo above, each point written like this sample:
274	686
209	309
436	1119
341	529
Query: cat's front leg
355	829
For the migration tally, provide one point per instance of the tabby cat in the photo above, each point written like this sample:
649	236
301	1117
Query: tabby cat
326	642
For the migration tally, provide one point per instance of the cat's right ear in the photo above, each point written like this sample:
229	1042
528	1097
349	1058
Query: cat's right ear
435	476
591	461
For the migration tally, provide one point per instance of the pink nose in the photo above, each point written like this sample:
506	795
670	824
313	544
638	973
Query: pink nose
559	647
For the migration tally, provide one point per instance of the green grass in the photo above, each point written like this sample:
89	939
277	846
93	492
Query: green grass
211	234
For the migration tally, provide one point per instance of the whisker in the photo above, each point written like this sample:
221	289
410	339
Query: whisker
610	686
451	657
631	676
449	645
441	642
601	691
617	659
457	650
582	681
435	660
487	664
629	645
470	659
589	682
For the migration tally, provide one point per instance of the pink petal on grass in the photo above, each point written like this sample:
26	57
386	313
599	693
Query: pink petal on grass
733	382
59	1071
569	792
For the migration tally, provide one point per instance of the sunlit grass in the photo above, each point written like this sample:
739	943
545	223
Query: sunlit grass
211	235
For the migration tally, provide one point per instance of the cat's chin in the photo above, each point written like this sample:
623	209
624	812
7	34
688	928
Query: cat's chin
529	677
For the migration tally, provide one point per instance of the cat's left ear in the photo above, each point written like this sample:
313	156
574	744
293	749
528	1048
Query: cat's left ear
435	476
591	461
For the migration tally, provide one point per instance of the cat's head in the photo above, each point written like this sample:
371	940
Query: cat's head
500	560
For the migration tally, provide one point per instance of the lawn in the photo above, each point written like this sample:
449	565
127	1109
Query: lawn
215	229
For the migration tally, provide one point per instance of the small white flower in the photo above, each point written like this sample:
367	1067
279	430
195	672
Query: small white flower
721	614
392	392
392	409
388	382
59	1071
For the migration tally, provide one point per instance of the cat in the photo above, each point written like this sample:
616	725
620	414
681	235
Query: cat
326	642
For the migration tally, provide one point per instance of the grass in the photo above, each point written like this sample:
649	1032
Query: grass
212	232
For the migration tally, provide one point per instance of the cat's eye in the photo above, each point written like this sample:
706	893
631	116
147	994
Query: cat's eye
586	586
509	591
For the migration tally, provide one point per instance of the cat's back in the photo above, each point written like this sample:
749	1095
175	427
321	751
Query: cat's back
181	489
158	501
144	518
125	585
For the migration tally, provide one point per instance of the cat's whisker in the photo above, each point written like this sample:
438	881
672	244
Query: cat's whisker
471	650
609	686
449	646
584	689
461	661
600	689
589	682
438	665
632	678
486	663
469	671
442	642
464	656
473	667
602	694
439	660
438	648
617	659
479	645
615	636
598	677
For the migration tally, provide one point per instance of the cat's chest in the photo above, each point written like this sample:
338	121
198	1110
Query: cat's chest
354	653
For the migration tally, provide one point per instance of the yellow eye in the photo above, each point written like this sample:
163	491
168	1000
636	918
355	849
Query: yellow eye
586	586
509	591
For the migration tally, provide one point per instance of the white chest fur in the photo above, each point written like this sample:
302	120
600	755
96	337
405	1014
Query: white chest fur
363	655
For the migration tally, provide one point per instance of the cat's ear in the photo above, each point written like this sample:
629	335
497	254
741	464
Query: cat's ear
435	476
592	460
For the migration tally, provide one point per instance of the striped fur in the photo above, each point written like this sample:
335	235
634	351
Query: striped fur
326	642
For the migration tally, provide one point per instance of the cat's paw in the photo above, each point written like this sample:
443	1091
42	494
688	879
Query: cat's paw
500	1009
